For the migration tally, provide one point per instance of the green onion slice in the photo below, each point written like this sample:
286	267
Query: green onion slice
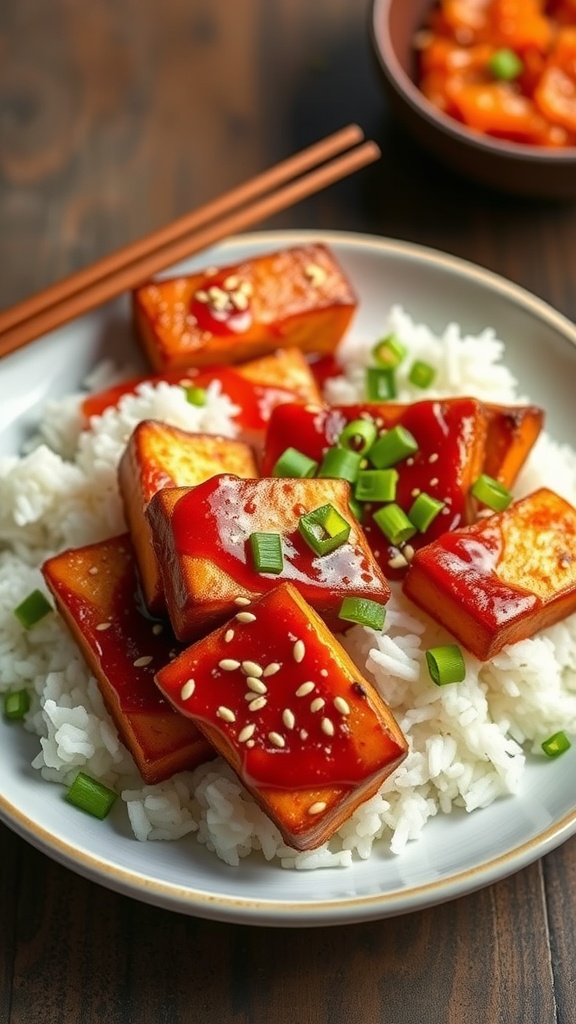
195	395
421	374
32	609
446	664
380	384
506	65
16	704
294	463
392	447
376	485
424	510
491	493
389	352
341	464
556	744
267	552
363	611
91	796
324	529
394	524
358	436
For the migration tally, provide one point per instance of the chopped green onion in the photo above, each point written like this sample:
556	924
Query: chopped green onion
556	744
491	493
341	464
295	464
195	395
421	374
91	796
376	485
389	351
16	704
358	436
506	65
446	664
267	552
424	510
392	447
32	609
394	524
380	384
324	529
363	611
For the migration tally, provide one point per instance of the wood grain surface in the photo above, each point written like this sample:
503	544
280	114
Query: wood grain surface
115	117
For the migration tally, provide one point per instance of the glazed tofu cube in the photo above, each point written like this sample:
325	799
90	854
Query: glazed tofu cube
502	579
202	540
156	456
512	433
450	435
296	297
281	700
95	592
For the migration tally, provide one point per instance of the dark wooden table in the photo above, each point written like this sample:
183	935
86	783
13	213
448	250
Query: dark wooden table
114	118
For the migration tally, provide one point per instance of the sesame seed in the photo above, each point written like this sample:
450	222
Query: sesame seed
256	685
242	600
141	662
93	570
415	492
251	743
201	295
228	665
257	704
102	626
434	482
245	617
271	669
317	704
434	457
303	734
324	672
288	718
410	461
232	283
397	561
252	668
305	689
228	636
226	713
246	287
276	739
408	552
317	808
246	733
317	275
187	690
341	705
157	628
299	650
239	300
327	726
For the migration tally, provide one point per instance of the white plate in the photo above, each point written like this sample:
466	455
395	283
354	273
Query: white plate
458	853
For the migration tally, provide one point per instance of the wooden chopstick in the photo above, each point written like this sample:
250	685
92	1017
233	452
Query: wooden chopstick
261	197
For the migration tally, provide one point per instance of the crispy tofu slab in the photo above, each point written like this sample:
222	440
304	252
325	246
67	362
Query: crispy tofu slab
502	579
255	387
95	589
158	455
296	297
451	436
202	541
281	700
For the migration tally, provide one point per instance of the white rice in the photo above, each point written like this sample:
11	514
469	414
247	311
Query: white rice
468	743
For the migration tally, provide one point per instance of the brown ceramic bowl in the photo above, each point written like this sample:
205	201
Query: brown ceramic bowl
511	167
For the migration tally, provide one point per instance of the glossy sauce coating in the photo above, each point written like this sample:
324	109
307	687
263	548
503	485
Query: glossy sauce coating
297	714
214	521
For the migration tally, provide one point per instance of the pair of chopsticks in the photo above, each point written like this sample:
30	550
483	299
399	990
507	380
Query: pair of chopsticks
275	189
